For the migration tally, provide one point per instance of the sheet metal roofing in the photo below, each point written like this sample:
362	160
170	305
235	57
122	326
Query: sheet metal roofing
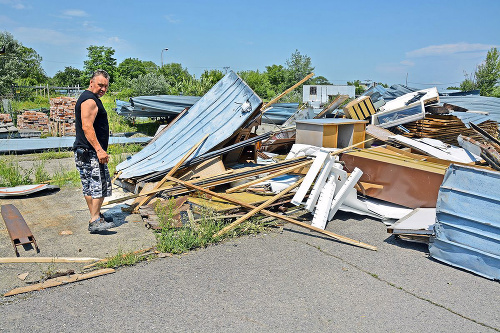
279	113
467	229
155	106
469	100
221	112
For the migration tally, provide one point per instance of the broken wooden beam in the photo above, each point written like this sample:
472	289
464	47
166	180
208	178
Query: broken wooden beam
257	209
171	172
270	176
59	281
15	260
279	216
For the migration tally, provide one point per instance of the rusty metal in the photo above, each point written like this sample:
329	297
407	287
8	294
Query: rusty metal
19	232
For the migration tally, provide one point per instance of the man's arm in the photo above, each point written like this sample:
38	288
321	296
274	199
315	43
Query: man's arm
89	112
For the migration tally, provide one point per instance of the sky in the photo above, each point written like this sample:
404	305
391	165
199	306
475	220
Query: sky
424	43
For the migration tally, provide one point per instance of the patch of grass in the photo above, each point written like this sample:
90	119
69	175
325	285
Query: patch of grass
122	259
189	237
11	174
54	154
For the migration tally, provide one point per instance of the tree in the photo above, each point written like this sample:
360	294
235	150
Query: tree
131	68
99	57
319	80
469	83
258	81
488	73
175	73
299	67
70	76
359	89
19	64
149	84
486	76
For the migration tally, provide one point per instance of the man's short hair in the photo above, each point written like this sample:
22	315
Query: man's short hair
100	72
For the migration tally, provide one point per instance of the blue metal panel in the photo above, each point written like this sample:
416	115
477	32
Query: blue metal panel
467	229
221	112
36	144
155	106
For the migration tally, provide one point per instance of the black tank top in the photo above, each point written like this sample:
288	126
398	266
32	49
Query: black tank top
101	125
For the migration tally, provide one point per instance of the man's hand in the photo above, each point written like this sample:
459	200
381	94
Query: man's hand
102	156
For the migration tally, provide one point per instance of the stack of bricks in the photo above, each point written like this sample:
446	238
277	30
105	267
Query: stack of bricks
5	118
33	120
62	116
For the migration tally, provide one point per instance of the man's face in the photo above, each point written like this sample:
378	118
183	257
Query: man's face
99	85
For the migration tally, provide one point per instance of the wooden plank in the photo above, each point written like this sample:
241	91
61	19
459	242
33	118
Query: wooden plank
274	100
257	209
333	105
59	281
270	176
214	181
17	260
279	216
173	170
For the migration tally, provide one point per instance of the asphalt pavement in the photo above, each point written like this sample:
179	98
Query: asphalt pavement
294	281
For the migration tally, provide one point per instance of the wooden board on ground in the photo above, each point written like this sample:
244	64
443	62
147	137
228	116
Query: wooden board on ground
223	206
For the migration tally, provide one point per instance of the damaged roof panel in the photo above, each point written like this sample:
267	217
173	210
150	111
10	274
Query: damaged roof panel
467	221
155	106
220	113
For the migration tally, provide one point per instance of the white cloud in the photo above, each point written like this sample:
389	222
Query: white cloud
115	40
171	19
74	13
448	49
408	63
91	26
41	35
5	20
14	4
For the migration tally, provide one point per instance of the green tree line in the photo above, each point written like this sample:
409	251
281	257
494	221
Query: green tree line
20	65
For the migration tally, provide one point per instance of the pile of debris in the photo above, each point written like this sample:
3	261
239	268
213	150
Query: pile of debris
7	128
62	116
390	160
33	120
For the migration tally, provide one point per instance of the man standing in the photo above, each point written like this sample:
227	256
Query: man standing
91	143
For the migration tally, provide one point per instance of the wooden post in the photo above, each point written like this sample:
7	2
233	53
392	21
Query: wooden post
58	281
171	172
270	176
258	209
285	218
274	100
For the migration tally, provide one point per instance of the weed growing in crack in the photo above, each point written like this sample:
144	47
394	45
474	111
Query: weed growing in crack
198	233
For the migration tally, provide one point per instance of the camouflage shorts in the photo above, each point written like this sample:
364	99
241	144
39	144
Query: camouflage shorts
96	181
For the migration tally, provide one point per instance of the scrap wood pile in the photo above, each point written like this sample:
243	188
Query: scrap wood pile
7	128
5	118
447	128
209	157
33	120
62	116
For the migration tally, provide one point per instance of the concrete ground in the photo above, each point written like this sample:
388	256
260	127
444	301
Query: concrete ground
275	282
59	221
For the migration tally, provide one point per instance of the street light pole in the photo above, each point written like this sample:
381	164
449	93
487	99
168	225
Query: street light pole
165	49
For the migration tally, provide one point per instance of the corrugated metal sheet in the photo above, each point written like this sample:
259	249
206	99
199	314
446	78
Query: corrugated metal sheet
279	113
467	229
476	103
472	117
155	106
37	144
221	112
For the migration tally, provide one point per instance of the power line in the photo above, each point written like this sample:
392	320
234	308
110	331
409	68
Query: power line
435	84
